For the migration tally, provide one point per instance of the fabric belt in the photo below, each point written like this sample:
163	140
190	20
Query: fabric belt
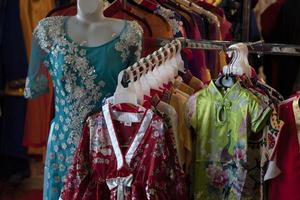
120	183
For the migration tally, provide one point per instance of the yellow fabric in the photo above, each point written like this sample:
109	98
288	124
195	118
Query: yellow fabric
296	110
196	83
205	75
178	101
184	87
31	12
214	2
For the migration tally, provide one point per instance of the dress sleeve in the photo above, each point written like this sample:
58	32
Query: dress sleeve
259	113
37	80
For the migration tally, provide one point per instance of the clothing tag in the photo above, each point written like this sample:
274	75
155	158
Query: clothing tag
127	123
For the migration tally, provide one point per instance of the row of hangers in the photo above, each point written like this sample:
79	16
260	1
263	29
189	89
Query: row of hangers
151	72
163	66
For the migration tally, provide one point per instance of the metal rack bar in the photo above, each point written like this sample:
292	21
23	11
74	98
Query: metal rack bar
259	47
246	20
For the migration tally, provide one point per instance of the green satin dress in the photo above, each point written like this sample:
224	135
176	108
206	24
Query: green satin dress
223	121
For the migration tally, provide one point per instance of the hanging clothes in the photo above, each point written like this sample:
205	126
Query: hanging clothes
125	154
286	185
35	134
81	80
222	121
262	145
13	68
31	12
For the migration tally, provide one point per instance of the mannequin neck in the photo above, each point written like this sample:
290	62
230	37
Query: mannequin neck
92	17
89	11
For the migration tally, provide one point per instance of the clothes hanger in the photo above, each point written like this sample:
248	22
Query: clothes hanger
227	79
173	63
138	86
239	64
152	80
144	82
125	95
164	69
180	62
155	72
170	65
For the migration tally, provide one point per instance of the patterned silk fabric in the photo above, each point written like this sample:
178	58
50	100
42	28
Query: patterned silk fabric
125	153
223	121
82	77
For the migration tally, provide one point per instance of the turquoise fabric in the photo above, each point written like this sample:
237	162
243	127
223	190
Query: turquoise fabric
82	78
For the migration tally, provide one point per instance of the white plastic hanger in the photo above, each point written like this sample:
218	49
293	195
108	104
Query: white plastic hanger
138	87
156	71
174	63
239	64
179	61
152	80
144	82
125	95
164	69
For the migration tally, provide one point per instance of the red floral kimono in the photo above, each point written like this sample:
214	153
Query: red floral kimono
125	154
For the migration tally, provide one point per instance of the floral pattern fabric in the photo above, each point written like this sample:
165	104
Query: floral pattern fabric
223	120
82	77
173	19
106	168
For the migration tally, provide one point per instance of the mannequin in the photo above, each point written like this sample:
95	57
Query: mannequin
89	27
83	76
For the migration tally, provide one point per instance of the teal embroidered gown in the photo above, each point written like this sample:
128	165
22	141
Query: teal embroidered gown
82	77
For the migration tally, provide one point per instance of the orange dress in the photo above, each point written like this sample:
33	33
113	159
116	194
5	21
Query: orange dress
37	116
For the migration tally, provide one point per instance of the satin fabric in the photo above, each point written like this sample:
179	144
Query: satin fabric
111	151
286	185
223	121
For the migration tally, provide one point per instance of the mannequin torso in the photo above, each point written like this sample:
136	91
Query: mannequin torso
89	27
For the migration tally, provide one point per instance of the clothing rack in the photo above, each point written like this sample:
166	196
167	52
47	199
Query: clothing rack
145	64
258	47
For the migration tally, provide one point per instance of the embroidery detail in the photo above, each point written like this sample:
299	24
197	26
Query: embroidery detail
130	41
169	15
77	89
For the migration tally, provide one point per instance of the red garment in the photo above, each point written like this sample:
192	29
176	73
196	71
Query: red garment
127	160
287	184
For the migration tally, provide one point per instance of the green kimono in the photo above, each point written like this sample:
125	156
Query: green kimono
223	121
